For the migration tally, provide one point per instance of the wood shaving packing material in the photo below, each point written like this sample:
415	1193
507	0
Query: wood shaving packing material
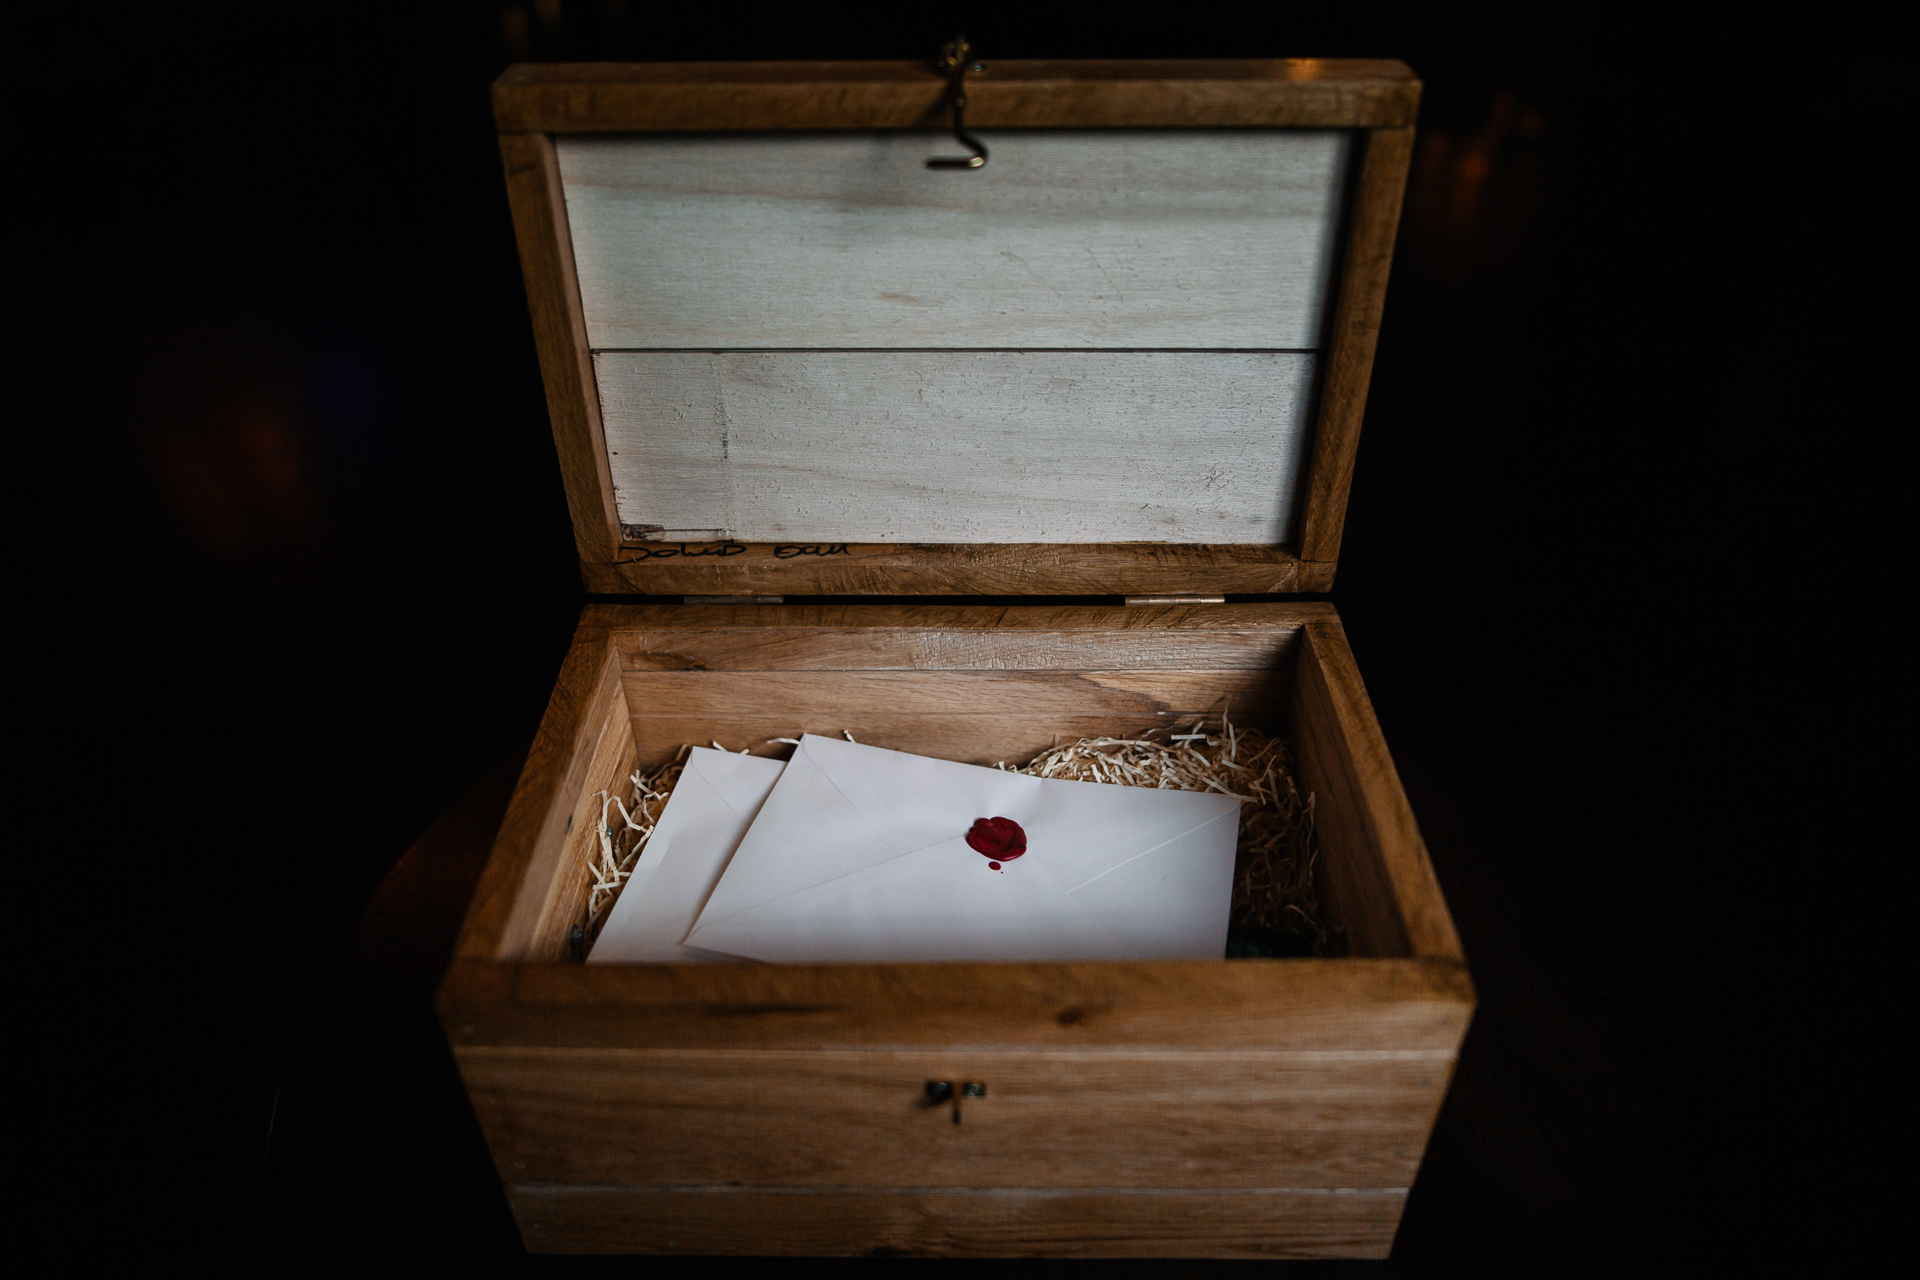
617	850
1273	867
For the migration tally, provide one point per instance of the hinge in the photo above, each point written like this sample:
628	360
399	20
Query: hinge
1176	599
631	534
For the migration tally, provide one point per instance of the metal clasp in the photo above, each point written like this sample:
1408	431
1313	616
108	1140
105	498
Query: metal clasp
939	1091
1176	599
954	60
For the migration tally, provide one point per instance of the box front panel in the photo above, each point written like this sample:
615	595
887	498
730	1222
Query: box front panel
1352	1119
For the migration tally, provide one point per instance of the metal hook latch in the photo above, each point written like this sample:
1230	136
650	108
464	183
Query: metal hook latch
940	1091
954	60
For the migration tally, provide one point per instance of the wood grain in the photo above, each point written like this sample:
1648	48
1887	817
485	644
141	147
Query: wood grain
1372	228
951	649
1379	879
1180	1005
560	338
612	763
826	447
988	1223
936	647
815	695
1018	680
1069	239
1009	738
956	569
916	635
1062	1119
1323	93
512	913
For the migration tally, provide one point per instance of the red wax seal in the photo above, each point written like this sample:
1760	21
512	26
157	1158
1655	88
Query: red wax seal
999	838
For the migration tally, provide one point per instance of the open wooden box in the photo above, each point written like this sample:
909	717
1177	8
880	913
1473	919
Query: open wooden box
879	436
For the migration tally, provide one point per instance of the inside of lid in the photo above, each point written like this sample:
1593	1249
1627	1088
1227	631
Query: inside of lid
1100	336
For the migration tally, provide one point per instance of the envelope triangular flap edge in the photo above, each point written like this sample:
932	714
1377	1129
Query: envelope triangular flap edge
875	781
860	855
717	798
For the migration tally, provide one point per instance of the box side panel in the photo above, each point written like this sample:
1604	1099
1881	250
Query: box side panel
1109	1119
948	640
1372	227
1350	874
560	337
912	1221
976	685
977	717
535	873
1378	879
607	774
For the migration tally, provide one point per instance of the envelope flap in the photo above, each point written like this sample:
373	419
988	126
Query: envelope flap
806	833
937	903
1187	881
734	783
741	781
1080	829
711	807
914	801
1138	820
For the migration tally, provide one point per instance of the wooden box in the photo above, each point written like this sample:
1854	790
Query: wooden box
1125	359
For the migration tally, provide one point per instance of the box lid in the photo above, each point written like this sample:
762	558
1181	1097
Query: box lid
1128	354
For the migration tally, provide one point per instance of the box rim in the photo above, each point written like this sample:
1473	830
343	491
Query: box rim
486	999
1009	93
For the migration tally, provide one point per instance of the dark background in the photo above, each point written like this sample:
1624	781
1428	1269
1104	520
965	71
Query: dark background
328	577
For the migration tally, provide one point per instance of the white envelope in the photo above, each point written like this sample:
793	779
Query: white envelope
709	810
860	854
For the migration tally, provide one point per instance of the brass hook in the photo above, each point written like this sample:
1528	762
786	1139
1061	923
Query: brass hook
942	1091
954	61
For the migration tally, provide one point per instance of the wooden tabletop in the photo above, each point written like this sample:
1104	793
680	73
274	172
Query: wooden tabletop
373	1146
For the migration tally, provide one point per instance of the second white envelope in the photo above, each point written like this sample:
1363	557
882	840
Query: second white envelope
860	854
710	809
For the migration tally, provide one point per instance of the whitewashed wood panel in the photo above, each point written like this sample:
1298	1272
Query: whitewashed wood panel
1139	238
971	446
